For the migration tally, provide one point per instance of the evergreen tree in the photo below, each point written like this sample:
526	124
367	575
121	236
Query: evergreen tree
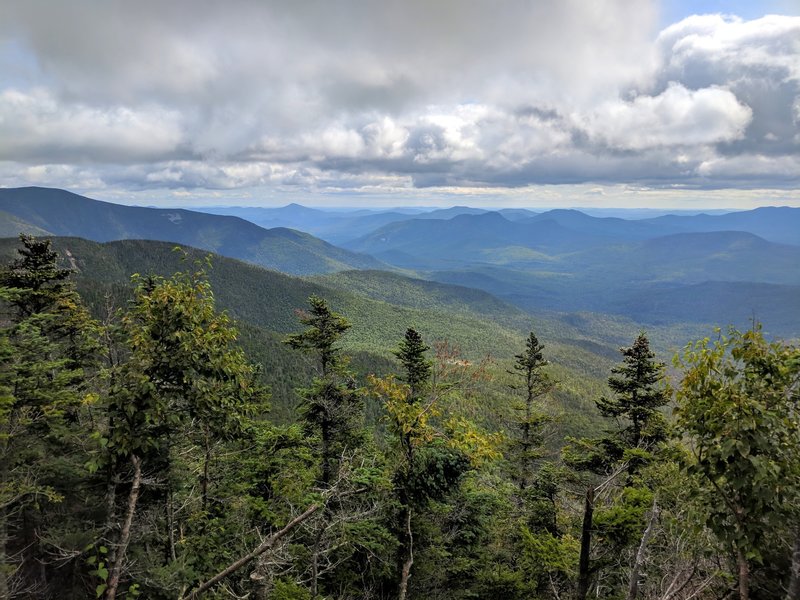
526	445
331	406
35	280
184	386
431	455
416	374
332	411
638	394
619	456
416	366
47	342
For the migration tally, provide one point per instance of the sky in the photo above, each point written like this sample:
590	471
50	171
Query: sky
623	103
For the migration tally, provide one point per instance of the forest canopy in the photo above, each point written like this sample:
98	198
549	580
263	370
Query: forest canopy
139	458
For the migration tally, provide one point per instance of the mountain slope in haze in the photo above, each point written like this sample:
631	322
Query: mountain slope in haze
427	295
779	224
269	299
775	224
428	243
339	227
606	227
490	237
11	226
63	213
693	258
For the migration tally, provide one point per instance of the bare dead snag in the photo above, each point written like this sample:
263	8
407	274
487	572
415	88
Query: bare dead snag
633	589
586	545
125	535
405	575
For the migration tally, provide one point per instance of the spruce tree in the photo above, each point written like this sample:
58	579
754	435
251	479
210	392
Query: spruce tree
638	394
47	343
35	280
416	366
184	389
332	413
526	446
331	406
619	456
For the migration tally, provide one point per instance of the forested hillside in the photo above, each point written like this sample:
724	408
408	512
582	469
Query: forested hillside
566	260
140	457
382	305
58	212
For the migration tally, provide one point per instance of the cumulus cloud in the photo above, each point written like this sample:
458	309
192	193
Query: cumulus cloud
400	93
34	126
676	117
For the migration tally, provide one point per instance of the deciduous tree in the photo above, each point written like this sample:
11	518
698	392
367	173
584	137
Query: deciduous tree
738	410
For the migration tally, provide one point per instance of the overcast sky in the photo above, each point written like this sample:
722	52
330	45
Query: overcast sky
404	102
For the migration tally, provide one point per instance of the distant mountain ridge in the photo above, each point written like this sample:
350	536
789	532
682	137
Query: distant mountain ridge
62	213
569	261
564	230
774	223
659	271
340	227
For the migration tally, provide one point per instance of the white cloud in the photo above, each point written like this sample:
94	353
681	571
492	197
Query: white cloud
385	138
726	45
676	117
36	126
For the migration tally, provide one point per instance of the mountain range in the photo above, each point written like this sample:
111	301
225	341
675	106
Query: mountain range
662	271
44	211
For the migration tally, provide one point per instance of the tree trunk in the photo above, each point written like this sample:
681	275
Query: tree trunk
744	575
633	589
263	547
315	561
111	508
4	592
125	535
408	559
173	554
794	581
4	468
206	463
586	546
325	434
526	435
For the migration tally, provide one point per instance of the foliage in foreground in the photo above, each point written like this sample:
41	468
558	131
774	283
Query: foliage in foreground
138	458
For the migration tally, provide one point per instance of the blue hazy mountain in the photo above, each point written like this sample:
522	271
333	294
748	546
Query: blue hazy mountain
338	227
773	223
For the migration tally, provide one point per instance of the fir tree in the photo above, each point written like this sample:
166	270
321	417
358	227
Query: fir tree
638	394
46	345
331	405
525	449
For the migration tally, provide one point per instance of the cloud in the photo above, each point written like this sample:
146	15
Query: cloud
467	93
34	126
676	117
758	61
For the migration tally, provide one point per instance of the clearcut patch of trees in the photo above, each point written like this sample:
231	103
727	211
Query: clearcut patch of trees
138	459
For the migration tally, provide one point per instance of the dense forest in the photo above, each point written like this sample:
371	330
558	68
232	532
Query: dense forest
140	458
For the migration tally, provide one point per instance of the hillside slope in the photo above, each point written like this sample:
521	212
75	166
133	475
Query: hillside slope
264	303
63	213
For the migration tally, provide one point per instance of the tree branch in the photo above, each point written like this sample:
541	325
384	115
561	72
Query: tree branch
263	547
